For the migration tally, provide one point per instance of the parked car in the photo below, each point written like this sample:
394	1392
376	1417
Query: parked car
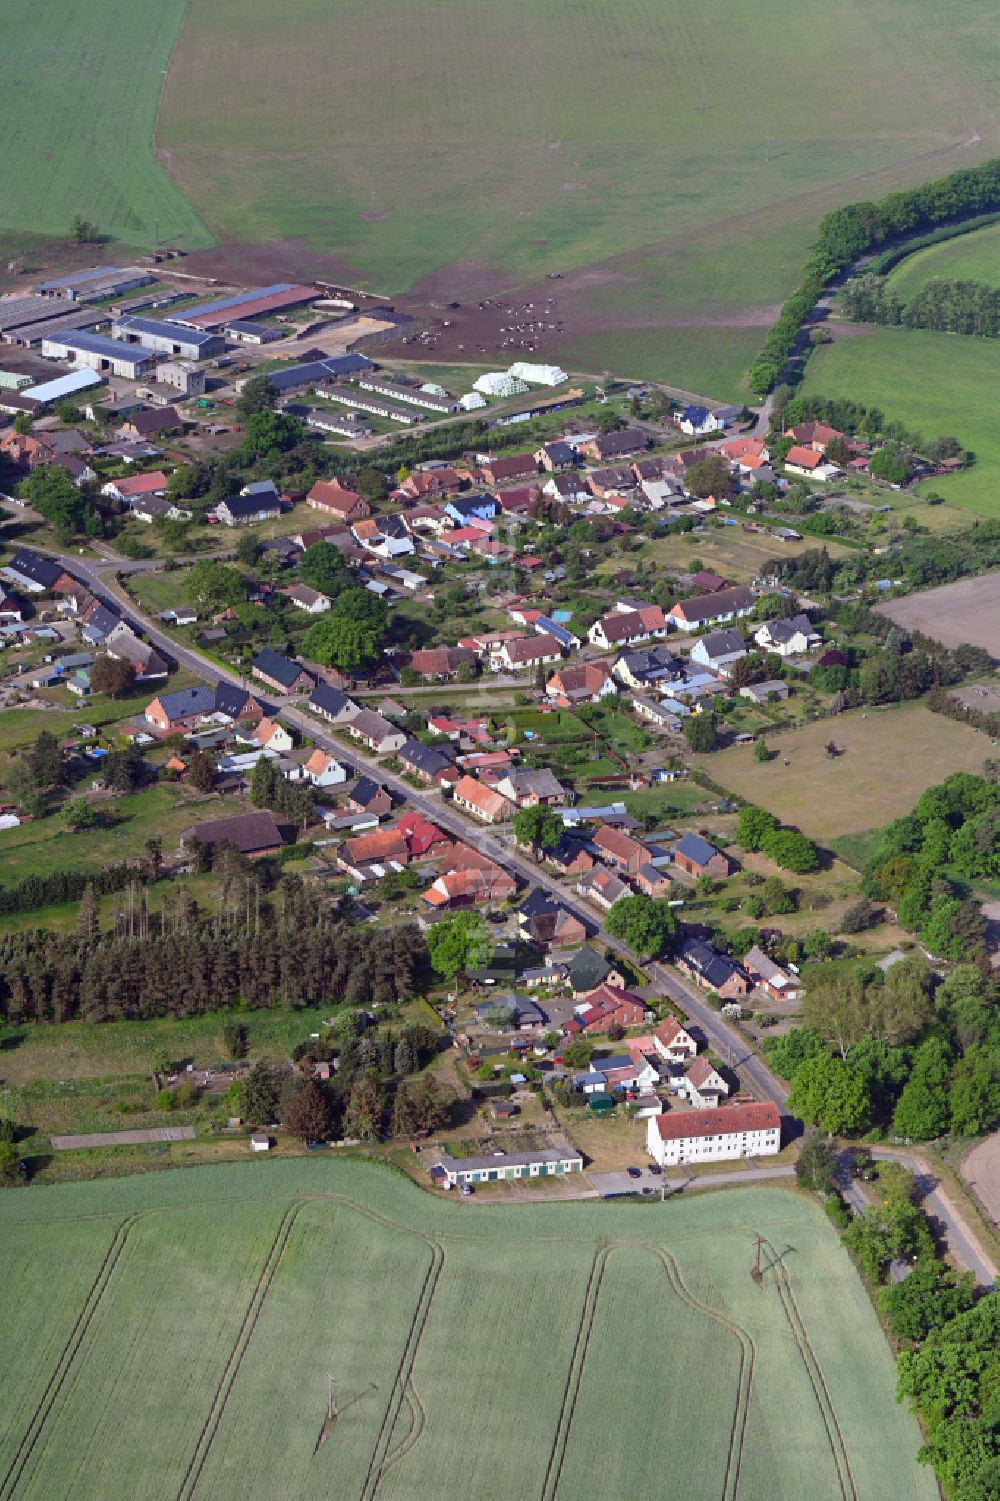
634	1172
655	1169
466	1190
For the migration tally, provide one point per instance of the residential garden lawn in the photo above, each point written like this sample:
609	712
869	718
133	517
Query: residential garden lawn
933	383
618	146
220	1304
162	811
20	726
78	102
889	756
971	257
671	800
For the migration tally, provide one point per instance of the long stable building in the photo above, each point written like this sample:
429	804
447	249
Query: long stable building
108	356
168	338
245	305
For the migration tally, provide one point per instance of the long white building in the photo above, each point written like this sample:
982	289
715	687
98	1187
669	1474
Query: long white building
727	1132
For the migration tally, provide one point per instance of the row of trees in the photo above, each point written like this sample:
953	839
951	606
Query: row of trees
945	304
948	1365
847	232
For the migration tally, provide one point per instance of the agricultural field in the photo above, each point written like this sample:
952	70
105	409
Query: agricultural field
887	757
79	91
971	257
933	383
610	138
335	1329
966	610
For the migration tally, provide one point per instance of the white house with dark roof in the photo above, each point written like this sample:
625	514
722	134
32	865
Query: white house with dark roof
787	638
719	650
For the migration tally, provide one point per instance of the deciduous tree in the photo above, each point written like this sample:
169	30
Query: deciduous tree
461	941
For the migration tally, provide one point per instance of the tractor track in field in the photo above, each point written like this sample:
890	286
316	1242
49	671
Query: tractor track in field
574	1375
227	1381
744	1379
418	1422
67	1358
834	1432
402	1389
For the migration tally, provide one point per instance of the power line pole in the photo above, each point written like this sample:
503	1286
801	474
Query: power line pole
770	143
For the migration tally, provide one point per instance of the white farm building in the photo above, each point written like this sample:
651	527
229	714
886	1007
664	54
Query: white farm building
499	383
537	375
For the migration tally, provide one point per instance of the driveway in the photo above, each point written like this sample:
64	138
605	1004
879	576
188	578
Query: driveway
609	1185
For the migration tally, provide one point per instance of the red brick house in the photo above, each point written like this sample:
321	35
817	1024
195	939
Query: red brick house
610	1006
697	857
517	466
333	500
621	849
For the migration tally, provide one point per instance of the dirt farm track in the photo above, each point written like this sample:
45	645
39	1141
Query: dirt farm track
967	610
981	1170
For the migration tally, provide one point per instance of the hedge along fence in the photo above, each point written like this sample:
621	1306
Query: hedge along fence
890	259
848	233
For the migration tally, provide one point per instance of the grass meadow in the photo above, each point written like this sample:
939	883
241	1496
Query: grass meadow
971	257
181	1333
79	91
685	162
934	383
162	811
889	756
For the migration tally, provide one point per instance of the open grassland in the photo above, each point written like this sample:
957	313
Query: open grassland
971	257
193	1326
79	89
727	550
888	757
97	1050
934	383
163	812
683	162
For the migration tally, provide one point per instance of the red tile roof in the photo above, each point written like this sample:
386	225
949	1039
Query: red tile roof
803	458
723	1120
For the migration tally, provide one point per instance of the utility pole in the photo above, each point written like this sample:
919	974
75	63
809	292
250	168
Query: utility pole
770	143
755	1271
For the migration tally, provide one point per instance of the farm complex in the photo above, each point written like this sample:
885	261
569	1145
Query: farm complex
352	1329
